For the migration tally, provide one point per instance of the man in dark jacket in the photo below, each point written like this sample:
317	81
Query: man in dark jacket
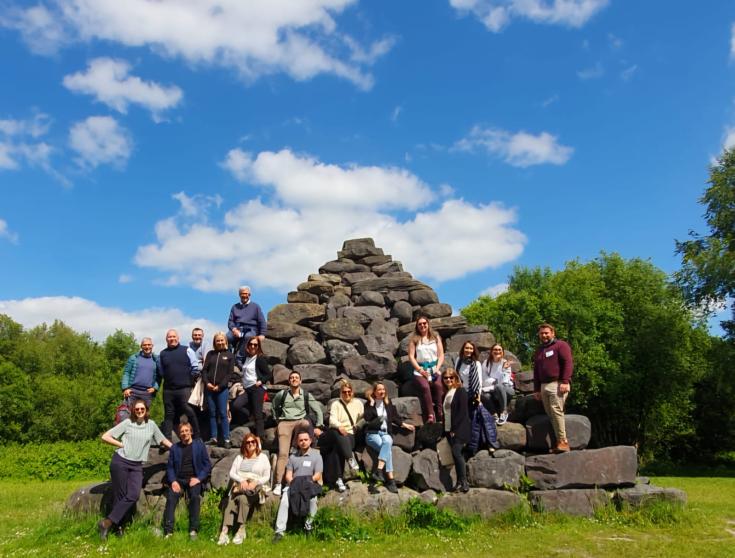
179	366
552	374
188	467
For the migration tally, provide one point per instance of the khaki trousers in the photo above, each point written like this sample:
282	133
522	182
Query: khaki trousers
554	406
284	433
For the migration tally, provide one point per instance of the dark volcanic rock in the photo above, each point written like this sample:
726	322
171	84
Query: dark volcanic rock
401	462
344	329
583	502
512	436
377	344
484	502
306	352
540	435
340	350
643	494
606	467
369	367
283	331
422	297
370	298
296	313
427	473
499	470
301	297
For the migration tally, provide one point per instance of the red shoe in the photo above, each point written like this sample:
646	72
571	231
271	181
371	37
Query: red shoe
561	447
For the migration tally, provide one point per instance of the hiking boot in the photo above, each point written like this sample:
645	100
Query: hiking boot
561	447
227	444
377	476
390	486
464	486
340	484
278	537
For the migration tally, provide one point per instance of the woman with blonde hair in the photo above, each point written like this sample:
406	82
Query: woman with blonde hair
497	383
426	354
381	420
219	365
250	483
456	424
344	415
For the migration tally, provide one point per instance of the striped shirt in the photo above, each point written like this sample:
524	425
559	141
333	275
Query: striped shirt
136	438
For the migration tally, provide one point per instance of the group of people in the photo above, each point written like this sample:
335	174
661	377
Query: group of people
233	375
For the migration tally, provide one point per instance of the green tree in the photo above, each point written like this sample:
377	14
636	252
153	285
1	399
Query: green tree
708	262
638	351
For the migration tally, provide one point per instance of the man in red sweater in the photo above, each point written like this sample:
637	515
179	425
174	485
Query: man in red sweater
552	374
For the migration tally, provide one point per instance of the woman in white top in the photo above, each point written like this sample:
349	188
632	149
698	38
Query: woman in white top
426	354
344	415
497	383
469	370
250	475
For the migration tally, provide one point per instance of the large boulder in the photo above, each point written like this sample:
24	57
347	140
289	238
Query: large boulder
387	267
302	297
370	298
484	502
94	499
401	462
357	248
352	278
340	350
359	500
283	331
582	502
642	495
482	341
344	329
607	467
395	296
221	471
376	260
428	473
306	352
423	297
297	313
343	265
402	311
363	314
540	434
501	470
324	373
382	327
446	327
436	310
370	367
512	436
377	344
318	288
386	283
333	278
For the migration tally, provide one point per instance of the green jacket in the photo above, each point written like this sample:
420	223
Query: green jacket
131	367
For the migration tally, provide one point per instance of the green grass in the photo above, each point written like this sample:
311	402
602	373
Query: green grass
32	524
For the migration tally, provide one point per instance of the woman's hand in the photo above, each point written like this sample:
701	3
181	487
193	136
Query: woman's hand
211	387
409	427
342	430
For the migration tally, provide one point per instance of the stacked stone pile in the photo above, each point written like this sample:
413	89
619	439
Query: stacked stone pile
353	319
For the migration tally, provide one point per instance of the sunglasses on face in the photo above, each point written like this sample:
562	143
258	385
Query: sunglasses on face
346	391
448	378
139	409
250	442
422	324
252	344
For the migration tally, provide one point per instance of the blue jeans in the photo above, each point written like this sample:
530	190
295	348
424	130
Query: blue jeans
217	406
382	442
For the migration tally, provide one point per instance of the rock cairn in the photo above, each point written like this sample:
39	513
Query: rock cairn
353	319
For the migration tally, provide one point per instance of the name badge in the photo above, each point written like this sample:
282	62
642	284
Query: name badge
549	353
307	463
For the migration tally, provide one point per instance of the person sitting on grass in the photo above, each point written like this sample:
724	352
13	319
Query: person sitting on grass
381	419
250	475
303	484
187	469
133	438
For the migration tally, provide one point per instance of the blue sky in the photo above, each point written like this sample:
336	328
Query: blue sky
154	155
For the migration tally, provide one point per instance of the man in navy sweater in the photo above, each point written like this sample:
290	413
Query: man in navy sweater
552	374
188	467
179	366
246	319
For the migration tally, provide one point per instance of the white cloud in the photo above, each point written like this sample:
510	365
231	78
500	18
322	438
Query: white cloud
256	38
6	233
313	209
593	72
495	290
125	278
628	73
303	181
519	149
196	206
100	321
496	14
108	80
728	141
100	140
20	143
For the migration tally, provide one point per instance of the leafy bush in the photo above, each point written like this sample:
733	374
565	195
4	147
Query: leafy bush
58	460
331	524
421	515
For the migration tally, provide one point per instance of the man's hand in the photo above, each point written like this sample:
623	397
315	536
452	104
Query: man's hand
176	487
537	395
563	388
236	332
193	481
151	390
127	392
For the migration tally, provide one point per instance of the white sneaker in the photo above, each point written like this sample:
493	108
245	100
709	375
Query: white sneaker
340	485
353	464
277	490
503	417
223	539
239	536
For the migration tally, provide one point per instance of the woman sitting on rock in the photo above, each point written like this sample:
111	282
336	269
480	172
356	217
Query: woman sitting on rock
218	368
469	369
497	383
256	373
344	415
456	424
426	354
250	475
133	436
381	419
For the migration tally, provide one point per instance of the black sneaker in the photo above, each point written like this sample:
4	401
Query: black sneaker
277	537
227	444
390	486
377	476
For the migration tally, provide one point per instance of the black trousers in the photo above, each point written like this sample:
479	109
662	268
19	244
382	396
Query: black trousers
249	405
194	494
459	464
175	404
127	479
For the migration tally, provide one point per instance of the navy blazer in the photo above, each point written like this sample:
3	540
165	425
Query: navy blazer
199	457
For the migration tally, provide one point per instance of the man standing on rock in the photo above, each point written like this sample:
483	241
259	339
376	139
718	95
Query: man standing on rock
290	409
246	320
179	366
552	374
188	467
142	374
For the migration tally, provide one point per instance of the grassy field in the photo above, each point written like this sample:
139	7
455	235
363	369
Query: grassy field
32	524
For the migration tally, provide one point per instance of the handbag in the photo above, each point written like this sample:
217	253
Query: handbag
196	399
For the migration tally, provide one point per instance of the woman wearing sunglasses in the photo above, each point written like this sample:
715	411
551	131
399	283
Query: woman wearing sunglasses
133	438
426	354
456	424
250	478
344	415
256	373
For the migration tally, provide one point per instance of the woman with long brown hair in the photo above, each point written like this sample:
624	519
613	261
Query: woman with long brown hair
456	424
426	354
